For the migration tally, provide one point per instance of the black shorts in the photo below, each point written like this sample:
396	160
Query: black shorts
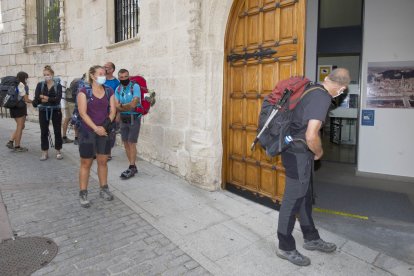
91	144
18	112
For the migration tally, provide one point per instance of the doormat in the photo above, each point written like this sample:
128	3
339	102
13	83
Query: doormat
25	255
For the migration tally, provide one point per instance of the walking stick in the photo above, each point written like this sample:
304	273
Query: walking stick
51	140
275	109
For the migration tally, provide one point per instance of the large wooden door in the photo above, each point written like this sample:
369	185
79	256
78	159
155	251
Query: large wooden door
264	44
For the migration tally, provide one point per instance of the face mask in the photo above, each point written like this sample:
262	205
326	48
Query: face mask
48	78
101	80
124	82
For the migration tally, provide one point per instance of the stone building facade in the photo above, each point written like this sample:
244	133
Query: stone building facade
179	50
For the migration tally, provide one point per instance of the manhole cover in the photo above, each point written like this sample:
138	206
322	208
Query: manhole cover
23	256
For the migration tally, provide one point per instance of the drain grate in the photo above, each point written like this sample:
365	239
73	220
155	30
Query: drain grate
25	255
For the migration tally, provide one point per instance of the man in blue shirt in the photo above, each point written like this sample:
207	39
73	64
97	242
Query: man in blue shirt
127	99
112	82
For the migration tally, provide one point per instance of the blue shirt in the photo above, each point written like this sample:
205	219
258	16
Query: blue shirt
112	83
124	95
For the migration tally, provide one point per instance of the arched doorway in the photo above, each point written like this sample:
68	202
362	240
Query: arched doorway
264	44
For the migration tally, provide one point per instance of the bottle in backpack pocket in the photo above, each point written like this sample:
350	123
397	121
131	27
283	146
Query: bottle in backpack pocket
288	139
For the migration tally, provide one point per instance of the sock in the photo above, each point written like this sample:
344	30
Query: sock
132	166
64	137
104	186
16	147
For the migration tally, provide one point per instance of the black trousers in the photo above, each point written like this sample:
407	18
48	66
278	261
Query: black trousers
45	116
297	201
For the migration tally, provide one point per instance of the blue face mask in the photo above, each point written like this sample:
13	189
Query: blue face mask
101	80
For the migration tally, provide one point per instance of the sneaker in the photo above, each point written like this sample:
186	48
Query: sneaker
44	156
76	142
319	245
59	155
130	172
66	140
20	149
105	193
10	145
83	198
294	257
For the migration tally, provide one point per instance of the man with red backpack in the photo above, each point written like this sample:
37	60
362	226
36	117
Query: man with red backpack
307	119
127	100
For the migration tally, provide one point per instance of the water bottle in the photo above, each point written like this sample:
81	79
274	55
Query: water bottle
288	139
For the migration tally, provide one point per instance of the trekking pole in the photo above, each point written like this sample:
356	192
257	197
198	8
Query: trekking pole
275	109
313	196
51	140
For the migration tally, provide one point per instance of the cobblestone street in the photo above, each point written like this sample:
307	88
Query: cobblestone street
107	239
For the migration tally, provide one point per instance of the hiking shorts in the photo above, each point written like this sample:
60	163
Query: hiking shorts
68	110
18	112
91	144
130	130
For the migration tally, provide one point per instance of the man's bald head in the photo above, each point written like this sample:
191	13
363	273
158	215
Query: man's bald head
340	76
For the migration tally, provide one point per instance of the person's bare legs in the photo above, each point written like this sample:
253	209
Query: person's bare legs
84	171
17	134
102	160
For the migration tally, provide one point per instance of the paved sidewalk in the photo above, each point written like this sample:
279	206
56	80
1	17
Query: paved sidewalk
157	223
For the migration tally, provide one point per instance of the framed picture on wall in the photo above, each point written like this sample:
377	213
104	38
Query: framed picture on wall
323	71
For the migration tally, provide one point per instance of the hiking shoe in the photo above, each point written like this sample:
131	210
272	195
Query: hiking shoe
44	156
20	149
106	194
66	140
294	257
76	142
59	156
83	199
129	173
10	145
319	245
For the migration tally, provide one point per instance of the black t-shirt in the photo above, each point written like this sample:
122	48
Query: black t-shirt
313	106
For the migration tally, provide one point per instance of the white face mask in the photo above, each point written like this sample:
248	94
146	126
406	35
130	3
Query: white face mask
101	80
48	78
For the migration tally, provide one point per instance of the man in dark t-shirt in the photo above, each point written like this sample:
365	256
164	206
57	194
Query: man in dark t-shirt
307	119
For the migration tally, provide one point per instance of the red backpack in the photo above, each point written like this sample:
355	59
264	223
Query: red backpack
145	104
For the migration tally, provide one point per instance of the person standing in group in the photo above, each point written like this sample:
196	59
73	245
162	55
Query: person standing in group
96	106
112	82
19	113
67	109
128	97
47	99
307	119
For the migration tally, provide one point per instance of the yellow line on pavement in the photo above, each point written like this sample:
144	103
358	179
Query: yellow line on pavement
339	213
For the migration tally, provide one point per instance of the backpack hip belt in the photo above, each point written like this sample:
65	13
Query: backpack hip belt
48	108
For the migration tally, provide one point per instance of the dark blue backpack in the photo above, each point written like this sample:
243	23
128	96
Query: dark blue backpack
76	119
9	93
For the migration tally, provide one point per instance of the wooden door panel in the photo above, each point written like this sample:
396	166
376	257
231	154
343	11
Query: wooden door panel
269	27
253	30
238	171
252	176
253	4
252	78
237	78
264	44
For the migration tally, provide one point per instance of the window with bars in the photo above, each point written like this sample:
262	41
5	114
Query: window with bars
126	19
48	23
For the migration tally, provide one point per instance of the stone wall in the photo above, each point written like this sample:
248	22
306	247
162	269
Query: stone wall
179	50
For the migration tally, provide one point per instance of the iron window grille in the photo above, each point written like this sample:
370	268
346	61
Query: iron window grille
48	23
126	19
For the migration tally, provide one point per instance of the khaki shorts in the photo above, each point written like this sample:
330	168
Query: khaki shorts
68	110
